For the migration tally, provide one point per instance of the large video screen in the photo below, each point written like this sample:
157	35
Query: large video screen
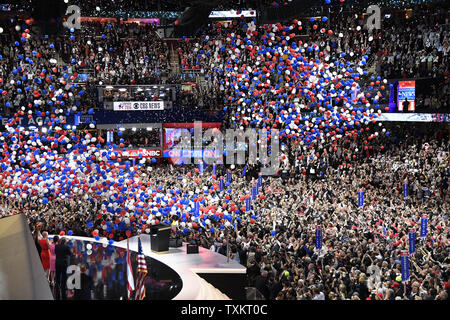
406	95
173	146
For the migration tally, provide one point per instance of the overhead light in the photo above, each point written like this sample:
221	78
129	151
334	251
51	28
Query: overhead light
122	89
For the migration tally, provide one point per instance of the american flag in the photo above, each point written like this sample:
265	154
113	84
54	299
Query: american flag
142	273
130	284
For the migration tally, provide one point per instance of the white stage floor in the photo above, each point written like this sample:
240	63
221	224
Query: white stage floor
186	265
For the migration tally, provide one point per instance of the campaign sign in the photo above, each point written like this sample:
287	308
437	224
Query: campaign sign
254	192
196	207
360	198
318	237
405	189
221	184
405	265
200	166
412	241
423	226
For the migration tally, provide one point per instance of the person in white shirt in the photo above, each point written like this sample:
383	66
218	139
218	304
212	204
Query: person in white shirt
318	295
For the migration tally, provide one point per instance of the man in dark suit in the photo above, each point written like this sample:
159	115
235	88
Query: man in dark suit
275	288
242	251
252	273
223	248
62	253
261	283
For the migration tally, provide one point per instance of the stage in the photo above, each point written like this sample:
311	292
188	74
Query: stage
204	276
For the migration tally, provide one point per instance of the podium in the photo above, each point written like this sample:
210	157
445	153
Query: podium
191	248
159	238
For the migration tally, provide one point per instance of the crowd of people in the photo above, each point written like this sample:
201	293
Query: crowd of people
407	46
275	241
71	182
414	47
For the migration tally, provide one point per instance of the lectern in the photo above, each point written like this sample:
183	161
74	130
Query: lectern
159	238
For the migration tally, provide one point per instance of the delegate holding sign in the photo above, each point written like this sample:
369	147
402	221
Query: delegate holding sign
138	105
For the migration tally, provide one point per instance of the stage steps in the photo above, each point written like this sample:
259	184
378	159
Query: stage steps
174	61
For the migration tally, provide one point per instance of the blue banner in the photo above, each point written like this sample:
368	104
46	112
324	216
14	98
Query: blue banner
228	176
214	168
254	192
222	186
196	207
405	190
318	238
248	202
423	226
405	266
412	242
200	166
244	172
360	198
260	180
